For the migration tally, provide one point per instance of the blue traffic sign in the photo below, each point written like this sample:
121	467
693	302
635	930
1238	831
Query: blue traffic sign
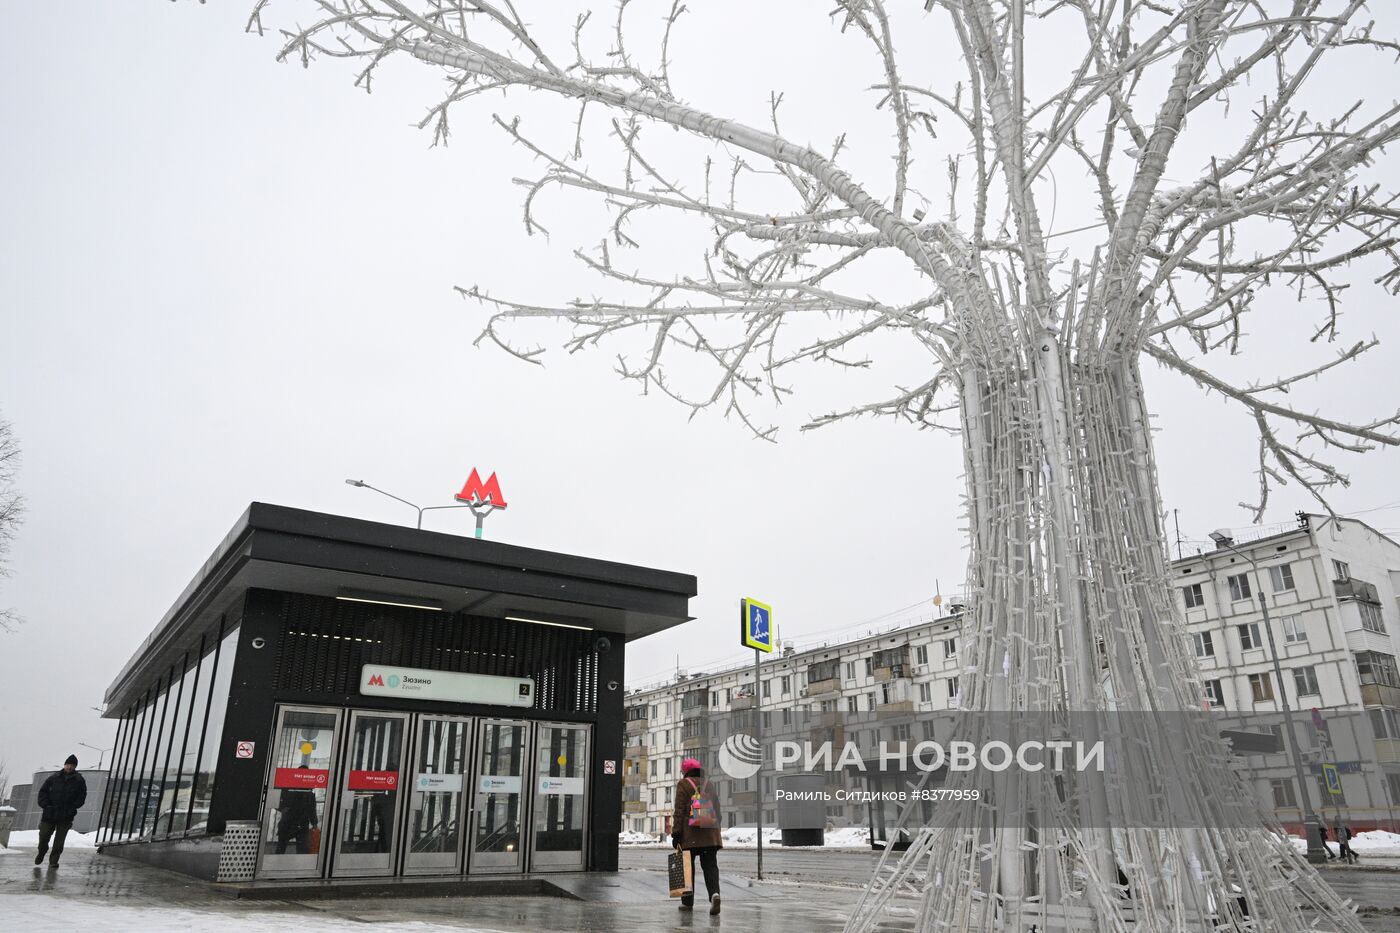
755	625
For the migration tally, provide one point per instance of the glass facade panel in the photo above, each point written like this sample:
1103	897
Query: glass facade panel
109	800
185	753
175	736
129	820
153	771
216	706
133	743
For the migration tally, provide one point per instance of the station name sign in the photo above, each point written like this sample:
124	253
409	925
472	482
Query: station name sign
413	683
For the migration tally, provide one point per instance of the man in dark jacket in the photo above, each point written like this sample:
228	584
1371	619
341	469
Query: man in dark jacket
60	797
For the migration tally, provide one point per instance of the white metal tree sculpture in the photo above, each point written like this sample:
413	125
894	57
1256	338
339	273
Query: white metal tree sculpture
1034	341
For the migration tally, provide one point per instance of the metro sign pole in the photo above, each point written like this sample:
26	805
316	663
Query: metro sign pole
481	498
756	632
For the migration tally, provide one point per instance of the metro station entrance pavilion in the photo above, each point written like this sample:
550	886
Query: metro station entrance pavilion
383	702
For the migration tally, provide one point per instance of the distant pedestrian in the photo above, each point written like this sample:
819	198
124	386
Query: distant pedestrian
1344	849
296	808
1322	836
695	829
60	797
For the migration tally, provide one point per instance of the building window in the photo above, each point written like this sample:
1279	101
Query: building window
787	717
767	689
1239	587
925	694
1305	680
1281	577
785	684
1293	630
952	688
901	732
850	670
1204	644
950	648
921	654
1341	570
1284	797
869	666
1249	636
853	704
1215	696
1193	596
1261	687
870	701
1375	668
714	700
884	693
1371	619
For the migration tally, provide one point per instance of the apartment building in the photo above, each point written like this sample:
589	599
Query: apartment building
906	670
1330	586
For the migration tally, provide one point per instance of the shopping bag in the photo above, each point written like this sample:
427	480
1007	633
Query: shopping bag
679	870
315	840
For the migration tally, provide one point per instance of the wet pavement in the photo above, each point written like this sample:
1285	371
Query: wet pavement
803	892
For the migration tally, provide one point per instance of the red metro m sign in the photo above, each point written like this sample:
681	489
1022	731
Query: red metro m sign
475	492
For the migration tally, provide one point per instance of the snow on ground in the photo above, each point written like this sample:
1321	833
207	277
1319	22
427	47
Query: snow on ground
1375	842
36	913
29	838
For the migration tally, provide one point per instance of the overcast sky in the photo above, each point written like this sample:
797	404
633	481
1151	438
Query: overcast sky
225	280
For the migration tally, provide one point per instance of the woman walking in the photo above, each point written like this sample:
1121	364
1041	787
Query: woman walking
695	829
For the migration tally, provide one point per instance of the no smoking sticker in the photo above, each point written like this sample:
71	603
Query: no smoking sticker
244	750
609	766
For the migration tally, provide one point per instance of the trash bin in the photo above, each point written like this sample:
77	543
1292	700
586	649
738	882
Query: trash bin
7	822
238	858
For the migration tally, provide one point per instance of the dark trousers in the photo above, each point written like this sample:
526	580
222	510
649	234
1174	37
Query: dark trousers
1344	851
58	831
709	864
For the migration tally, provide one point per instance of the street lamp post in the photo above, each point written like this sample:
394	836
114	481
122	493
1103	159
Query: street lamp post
419	508
1311	821
102	752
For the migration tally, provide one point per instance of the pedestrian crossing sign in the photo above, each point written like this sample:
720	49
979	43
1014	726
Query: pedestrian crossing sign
755	625
1333	779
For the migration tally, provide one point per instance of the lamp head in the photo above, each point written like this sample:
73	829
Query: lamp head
1222	537
354	482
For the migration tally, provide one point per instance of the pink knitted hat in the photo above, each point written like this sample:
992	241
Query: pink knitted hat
691	764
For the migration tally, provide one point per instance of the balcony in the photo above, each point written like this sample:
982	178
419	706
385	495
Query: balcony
634	778
902	706
741	702
1388	751
1375	694
887	674
821	687
637	750
636	726
634	806
1356	589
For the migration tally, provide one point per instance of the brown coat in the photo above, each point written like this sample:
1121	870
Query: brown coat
690	837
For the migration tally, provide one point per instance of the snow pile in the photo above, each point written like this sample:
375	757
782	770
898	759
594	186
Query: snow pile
1376	842
1373	842
29	838
848	837
630	838
746	837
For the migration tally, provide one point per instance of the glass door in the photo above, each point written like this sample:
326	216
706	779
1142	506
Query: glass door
561	797
436	807
296	791
369	794
498	804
